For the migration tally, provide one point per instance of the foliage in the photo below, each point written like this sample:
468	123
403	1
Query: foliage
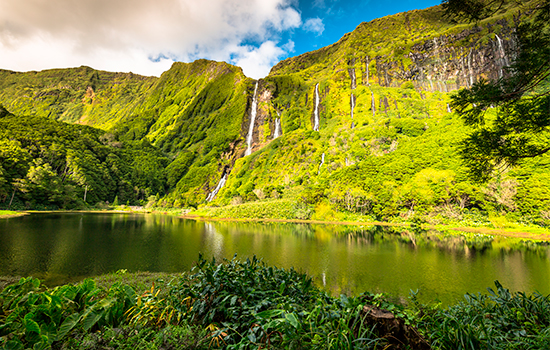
33	316
51	164
249	305
246	305
520	128
168	141
500	320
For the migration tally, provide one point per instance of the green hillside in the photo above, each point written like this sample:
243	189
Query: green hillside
385	148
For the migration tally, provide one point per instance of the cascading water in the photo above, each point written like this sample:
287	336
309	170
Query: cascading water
278	130
470	68
352	102
449	110
322	162
213	194
252	120
316	112
502	60
353	78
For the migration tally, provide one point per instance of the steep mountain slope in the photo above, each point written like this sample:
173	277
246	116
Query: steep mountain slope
360	126
50	164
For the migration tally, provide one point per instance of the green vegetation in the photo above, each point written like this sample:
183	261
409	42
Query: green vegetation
9	214
520	128
47	164
247	304
166	142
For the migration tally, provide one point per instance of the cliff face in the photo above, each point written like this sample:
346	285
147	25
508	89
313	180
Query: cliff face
378	93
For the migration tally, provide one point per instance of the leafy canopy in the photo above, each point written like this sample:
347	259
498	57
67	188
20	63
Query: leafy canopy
520	126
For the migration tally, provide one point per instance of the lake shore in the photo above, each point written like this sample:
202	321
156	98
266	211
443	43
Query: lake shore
6	214
519	231
536	234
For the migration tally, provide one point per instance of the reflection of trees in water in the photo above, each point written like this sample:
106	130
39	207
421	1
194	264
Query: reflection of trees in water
458	243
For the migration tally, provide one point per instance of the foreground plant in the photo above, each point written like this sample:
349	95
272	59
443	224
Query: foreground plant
249	305
499	320
32	316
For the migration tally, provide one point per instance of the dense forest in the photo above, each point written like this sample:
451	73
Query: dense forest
52	164
366	126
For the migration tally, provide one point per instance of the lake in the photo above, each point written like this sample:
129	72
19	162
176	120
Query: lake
62	247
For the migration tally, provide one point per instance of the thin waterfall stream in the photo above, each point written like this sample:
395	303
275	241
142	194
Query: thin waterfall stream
252	121
213	194
316	112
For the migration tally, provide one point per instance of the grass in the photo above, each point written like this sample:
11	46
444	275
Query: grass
4	214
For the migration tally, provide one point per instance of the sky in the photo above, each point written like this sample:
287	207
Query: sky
146	36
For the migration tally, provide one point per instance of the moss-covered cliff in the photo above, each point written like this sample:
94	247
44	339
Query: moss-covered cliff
386	137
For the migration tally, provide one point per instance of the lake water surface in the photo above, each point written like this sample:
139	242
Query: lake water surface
61	247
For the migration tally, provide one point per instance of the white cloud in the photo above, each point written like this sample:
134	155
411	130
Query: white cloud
314	25
122	34
258	61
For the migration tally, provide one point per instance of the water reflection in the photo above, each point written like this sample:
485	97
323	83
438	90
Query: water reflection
341	259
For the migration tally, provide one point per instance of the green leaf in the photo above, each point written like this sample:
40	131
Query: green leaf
291	318
14	345
269	313
91	319
67	325
30	325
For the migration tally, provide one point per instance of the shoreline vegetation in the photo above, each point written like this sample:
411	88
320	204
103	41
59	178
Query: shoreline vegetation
246	304
4	214
487	228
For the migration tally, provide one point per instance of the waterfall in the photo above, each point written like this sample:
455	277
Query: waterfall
352	102
278	130
316	113
353	78
252	120
449	110
322	162
470	68
502	60
213	194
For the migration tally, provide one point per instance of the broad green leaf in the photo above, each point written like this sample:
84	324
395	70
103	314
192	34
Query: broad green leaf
291	318
67	325
91	319
31	325
269	313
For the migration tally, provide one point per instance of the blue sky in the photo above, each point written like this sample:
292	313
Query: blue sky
340	17
147	36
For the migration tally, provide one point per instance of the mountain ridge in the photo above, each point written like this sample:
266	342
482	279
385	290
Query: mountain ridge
386	140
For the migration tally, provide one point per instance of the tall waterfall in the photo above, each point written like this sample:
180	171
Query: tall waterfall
278	130
502	60
322	162
353	78
352	103
449	110
470	68
213	194
316	113
252	120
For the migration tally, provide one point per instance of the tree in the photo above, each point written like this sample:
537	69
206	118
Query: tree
471	10
520	126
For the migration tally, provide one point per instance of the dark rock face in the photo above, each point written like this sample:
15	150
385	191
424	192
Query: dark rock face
450	62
